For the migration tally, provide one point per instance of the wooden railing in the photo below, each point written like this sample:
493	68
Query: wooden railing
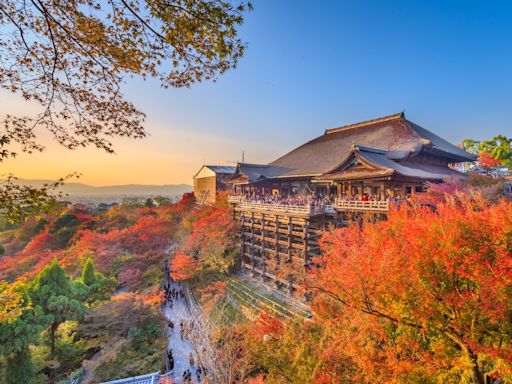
235	199
307	210
346	205
303	210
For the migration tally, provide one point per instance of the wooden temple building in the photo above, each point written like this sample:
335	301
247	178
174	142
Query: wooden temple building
345	174
209	180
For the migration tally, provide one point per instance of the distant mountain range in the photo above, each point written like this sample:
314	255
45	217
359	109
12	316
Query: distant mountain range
80	189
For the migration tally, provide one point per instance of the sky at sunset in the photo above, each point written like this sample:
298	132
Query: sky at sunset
309	66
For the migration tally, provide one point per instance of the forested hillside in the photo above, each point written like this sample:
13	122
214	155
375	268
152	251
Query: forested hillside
82	285
423	297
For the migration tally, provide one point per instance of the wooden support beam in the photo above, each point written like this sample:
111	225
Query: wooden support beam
290	237
276	240
305	244
263	246
252	244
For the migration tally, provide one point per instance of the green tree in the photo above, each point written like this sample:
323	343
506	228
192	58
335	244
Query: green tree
94	286
52	293
20	326
161	200
88	277
471	146
133	202
149	203
20	368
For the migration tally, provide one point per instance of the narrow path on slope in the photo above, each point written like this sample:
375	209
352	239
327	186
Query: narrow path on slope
186	337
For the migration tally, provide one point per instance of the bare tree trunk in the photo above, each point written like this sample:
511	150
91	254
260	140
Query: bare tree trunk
52	332
478	377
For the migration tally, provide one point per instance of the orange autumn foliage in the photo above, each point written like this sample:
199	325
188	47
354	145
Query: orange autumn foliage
183	267
260	379
485	160
425	294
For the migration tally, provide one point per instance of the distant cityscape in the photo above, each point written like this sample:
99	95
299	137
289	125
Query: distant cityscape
93	195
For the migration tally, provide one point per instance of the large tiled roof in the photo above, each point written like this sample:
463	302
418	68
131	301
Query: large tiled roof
394	134
381	163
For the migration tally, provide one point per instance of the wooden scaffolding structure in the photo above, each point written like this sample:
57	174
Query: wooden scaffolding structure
276	242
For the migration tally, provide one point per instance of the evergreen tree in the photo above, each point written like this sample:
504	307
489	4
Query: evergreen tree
20	326
94	286
88	277
20	368
53	294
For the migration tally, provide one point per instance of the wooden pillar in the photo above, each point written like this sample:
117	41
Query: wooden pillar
253	261
276	239
290	235
263	246
305	238
242	238
382	191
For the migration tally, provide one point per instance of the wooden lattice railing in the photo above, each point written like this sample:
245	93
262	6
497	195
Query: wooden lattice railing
346	205
309	210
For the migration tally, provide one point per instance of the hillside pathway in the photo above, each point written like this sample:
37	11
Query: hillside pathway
182	338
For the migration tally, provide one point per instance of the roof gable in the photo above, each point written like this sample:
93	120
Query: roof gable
364	162
212	170
393	134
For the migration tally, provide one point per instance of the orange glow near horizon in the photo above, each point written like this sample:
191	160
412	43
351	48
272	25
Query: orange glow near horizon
153	160
171	154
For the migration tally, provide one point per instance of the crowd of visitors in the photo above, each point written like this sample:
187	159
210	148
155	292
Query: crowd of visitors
173	294
313	200
297	200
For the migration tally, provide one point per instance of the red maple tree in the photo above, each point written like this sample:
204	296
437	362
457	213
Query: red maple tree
424	294
183	266
485	160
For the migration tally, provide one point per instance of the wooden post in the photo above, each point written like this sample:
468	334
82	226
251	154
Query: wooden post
305	237
276	240
263	246
253	261
242	238
290	235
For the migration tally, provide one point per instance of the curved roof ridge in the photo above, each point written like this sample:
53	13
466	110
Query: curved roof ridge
253	165
395	116
368	149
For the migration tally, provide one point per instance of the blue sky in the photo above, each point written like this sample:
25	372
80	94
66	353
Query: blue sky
312	65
